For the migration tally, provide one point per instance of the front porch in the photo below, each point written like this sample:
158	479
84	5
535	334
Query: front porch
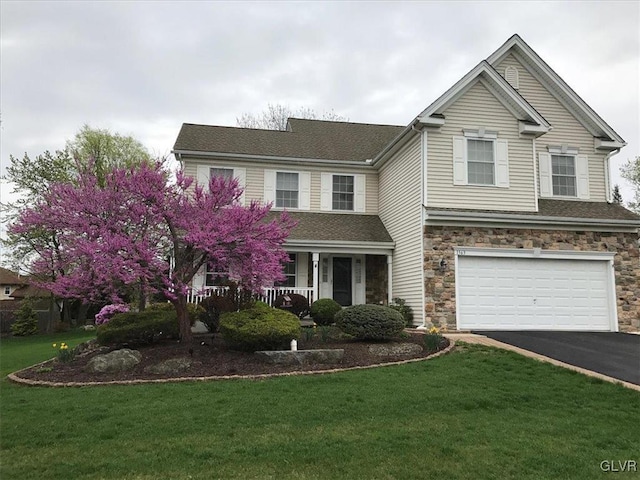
348	278
347	257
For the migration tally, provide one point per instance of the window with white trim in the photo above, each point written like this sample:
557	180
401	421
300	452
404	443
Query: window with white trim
480	158
289	272
216	278
563	175
7	290
226	173
480	161
205	172
343	192
287	190
340	192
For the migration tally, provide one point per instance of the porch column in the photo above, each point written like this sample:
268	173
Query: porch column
390	277
315	257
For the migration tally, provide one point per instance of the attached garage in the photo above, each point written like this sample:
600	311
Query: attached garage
518	289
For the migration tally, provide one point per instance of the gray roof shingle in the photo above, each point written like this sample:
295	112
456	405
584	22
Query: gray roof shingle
313	139
337	227
565	209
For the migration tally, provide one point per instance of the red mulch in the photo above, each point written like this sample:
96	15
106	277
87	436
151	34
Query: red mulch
212	358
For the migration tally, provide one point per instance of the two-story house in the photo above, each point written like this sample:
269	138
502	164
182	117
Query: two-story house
9	283
489	210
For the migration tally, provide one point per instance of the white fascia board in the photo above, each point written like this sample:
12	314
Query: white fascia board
433	216
533	253
338	246
271	159
520	46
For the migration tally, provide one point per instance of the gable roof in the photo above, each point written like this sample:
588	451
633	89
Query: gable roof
7	277
499	87
305	139
557	87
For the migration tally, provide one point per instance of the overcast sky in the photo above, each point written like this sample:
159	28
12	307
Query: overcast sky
143	68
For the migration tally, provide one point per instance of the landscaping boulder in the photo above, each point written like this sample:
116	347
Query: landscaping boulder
302	357
116	361
172	366
395	349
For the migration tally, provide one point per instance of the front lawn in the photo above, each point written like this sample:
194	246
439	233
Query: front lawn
475	413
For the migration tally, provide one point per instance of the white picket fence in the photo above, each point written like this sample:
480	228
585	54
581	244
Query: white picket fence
268	294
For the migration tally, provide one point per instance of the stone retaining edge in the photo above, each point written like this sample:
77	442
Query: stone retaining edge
14	377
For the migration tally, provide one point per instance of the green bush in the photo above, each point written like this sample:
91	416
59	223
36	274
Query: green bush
297	304
212	308
370	322
259	328
135	328
323	311
26	320
193	310
405	310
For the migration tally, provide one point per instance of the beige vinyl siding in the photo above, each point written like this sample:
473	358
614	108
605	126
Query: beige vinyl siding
566	130
479	108
255	178
401	213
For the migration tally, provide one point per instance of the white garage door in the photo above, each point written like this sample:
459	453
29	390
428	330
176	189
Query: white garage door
498	293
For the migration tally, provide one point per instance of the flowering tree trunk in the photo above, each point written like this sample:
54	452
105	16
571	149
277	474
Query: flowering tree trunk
184	324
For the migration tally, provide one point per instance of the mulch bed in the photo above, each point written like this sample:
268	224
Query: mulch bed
211	358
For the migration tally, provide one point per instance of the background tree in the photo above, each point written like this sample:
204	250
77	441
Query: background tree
103	151
124	232
631	172
616	196
275	117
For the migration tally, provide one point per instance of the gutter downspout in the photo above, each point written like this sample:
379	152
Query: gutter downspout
607	174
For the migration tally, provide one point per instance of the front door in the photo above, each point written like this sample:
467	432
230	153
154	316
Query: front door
342	281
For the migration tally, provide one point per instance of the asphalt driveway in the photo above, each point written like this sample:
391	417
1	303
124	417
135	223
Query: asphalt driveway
614	354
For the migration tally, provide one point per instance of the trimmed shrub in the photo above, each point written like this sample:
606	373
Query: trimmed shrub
135	328
297	304
370	322
323	311
26	320
259	328
108	311
212	308
405	310
193	310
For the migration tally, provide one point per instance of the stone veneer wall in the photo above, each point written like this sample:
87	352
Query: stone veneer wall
376	278
440	302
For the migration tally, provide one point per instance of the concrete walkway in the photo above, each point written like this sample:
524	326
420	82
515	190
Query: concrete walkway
489	342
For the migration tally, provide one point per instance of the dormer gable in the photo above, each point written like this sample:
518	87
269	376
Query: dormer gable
530	121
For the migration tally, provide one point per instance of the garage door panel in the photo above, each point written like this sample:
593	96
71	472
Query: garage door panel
534	294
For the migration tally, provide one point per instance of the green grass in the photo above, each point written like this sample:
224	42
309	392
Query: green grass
478	413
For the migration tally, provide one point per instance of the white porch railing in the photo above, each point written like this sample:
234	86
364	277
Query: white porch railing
268	294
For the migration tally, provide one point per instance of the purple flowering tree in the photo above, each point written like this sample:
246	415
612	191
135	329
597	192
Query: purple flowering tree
138	226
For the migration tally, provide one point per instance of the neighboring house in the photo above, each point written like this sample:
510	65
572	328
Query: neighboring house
490	210
9	283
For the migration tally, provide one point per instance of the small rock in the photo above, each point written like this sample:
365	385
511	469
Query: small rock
395	349
116	361
88	327
170	366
